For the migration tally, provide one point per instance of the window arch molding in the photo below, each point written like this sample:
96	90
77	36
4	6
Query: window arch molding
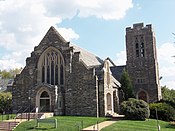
51	67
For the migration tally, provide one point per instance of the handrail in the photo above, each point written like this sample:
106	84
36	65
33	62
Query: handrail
19	110
23	112
25	109
33	109
41	108
17	113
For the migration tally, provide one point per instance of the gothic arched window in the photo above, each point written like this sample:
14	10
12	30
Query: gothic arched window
52	69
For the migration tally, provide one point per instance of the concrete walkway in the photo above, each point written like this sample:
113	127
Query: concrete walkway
99	126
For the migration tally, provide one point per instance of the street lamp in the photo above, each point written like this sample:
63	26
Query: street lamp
29	106
29	96
8	106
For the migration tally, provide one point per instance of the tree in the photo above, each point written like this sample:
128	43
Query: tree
126	85
5	74
10	74
5	102
167	94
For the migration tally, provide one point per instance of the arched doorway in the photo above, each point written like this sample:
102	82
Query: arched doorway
44	102
109	102
142	95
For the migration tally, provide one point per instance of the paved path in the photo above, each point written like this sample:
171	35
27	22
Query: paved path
99	126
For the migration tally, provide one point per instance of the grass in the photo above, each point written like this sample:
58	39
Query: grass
148	125
65	123
7	117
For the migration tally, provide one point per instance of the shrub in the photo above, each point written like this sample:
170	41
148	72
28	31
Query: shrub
134	109
5	102
164	111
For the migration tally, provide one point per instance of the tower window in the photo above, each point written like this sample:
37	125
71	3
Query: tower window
140	81
142	53
142	45
137	45
137	49
137	53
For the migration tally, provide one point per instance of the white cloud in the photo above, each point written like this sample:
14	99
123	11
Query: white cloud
9	64
166	64
121	58
22	26
68	33
105	9
23	23
13	60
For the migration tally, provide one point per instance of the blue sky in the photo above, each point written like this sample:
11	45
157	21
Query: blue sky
96	25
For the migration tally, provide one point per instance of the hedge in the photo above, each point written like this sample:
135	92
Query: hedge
164	111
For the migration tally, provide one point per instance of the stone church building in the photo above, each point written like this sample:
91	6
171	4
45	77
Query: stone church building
65	79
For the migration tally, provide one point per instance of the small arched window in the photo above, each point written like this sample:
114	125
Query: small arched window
109	101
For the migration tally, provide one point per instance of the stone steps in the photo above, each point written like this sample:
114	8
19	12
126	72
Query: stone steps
29	115
8	125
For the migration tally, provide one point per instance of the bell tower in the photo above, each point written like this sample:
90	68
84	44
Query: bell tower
142	64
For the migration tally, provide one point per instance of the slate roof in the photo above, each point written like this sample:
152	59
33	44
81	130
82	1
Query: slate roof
117	71
4	83
88	58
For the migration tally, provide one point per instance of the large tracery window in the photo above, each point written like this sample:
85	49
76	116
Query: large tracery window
52	68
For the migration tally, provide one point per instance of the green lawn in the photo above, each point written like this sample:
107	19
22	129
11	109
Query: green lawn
148	125
6	117
65	123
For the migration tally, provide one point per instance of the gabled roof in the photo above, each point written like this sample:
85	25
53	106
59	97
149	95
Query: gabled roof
53	35
117	71
52	29
111	62
87	58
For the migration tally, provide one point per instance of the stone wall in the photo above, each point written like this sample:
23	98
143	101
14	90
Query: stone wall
80	93
27	83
